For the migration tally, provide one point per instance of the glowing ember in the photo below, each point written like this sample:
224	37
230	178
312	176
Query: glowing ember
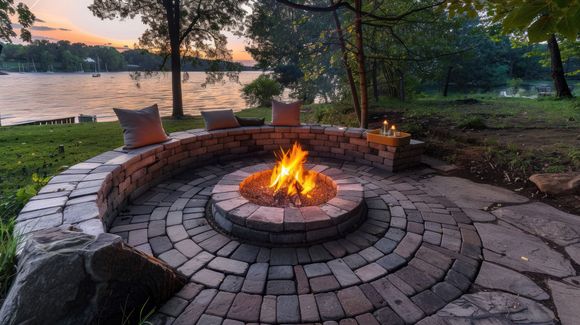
290	175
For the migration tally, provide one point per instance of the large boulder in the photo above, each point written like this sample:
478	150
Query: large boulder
555	184
68	277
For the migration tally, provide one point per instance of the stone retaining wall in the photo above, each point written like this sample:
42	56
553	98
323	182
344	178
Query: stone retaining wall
90	194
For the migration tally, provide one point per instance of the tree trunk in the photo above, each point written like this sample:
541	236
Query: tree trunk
562	89
375	81
173	21
351	83
447	80
401	85
364	123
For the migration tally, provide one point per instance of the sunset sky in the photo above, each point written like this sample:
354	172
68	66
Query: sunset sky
71	20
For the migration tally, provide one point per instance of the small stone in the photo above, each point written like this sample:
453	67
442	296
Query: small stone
557	183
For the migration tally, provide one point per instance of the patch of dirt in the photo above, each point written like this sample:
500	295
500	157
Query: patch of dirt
482	154
477	165
545	139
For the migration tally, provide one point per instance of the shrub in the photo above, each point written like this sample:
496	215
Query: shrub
474	123
260	91
8	246
515	84
9	208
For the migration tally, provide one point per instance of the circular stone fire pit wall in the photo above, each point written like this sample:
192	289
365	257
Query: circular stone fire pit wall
90	194
253	222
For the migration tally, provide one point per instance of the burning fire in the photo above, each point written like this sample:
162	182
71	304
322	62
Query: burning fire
290	174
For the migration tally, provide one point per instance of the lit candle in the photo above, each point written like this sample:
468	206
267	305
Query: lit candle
393	131
385	126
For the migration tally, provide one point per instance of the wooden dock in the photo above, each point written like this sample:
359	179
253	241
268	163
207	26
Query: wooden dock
63	120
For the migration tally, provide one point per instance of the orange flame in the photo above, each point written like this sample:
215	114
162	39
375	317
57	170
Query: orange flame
289	172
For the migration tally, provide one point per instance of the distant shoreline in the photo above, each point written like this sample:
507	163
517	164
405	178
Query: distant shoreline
5	73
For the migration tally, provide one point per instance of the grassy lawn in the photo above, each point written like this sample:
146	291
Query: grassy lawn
35	149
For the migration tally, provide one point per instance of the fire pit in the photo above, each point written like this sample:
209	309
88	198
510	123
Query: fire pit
288	183
288	203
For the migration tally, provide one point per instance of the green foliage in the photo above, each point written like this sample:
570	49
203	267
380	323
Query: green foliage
261	91
130	317
61	56
8	247
333	114
473	123
538	19
201	27
25	20
34	149
9	208
515	84
574	156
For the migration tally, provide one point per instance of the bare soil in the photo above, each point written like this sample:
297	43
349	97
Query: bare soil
505	157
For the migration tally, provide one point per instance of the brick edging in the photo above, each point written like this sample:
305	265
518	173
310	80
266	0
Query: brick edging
90	194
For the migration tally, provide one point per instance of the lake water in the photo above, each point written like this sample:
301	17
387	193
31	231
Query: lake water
40	96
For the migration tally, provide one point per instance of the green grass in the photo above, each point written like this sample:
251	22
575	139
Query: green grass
35	149
8	246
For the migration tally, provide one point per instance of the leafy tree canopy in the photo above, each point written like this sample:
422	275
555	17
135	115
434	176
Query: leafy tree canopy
537	18
202	23
25	18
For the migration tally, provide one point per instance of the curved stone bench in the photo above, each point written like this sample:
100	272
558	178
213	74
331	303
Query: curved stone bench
90	194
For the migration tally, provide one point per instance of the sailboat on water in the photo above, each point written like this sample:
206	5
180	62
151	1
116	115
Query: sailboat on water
97	74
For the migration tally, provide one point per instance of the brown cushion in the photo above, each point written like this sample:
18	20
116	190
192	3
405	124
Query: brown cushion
141	127
222	119
286	114
250	121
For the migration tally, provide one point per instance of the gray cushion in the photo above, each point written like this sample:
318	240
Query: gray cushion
250	121
141	127
222	119
286	114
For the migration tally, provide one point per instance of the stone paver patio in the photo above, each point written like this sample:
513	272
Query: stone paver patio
429	252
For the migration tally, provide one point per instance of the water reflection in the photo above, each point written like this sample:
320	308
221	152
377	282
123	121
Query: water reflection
36	96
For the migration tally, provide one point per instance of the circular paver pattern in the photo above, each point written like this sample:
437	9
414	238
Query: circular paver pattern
413	254
243	219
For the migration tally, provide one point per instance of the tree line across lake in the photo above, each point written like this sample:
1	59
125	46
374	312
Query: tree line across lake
64	56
